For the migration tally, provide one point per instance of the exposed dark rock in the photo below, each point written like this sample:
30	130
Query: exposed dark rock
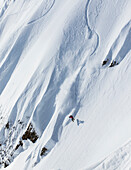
105	62
20	144
7	125
30	134
114	63
20	122
43	152
5	164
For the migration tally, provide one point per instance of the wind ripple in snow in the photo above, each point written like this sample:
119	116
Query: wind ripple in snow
120	159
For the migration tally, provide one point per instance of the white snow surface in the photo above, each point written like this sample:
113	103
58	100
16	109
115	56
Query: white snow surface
51	55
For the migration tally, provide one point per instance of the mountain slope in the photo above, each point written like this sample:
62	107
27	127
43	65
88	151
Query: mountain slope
60	58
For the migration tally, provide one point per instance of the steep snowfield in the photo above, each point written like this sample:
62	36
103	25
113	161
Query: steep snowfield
121	159
59	58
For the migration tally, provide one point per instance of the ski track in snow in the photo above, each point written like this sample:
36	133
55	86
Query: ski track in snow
48	10
87	23
46	92
58	127
60	118
13	56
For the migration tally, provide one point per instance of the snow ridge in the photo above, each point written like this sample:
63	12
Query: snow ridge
120	47
61	58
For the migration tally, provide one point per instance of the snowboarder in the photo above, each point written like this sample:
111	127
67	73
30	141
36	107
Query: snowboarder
72	118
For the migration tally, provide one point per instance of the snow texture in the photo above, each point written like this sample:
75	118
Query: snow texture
61	58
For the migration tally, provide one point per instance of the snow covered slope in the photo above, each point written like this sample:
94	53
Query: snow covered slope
59	58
